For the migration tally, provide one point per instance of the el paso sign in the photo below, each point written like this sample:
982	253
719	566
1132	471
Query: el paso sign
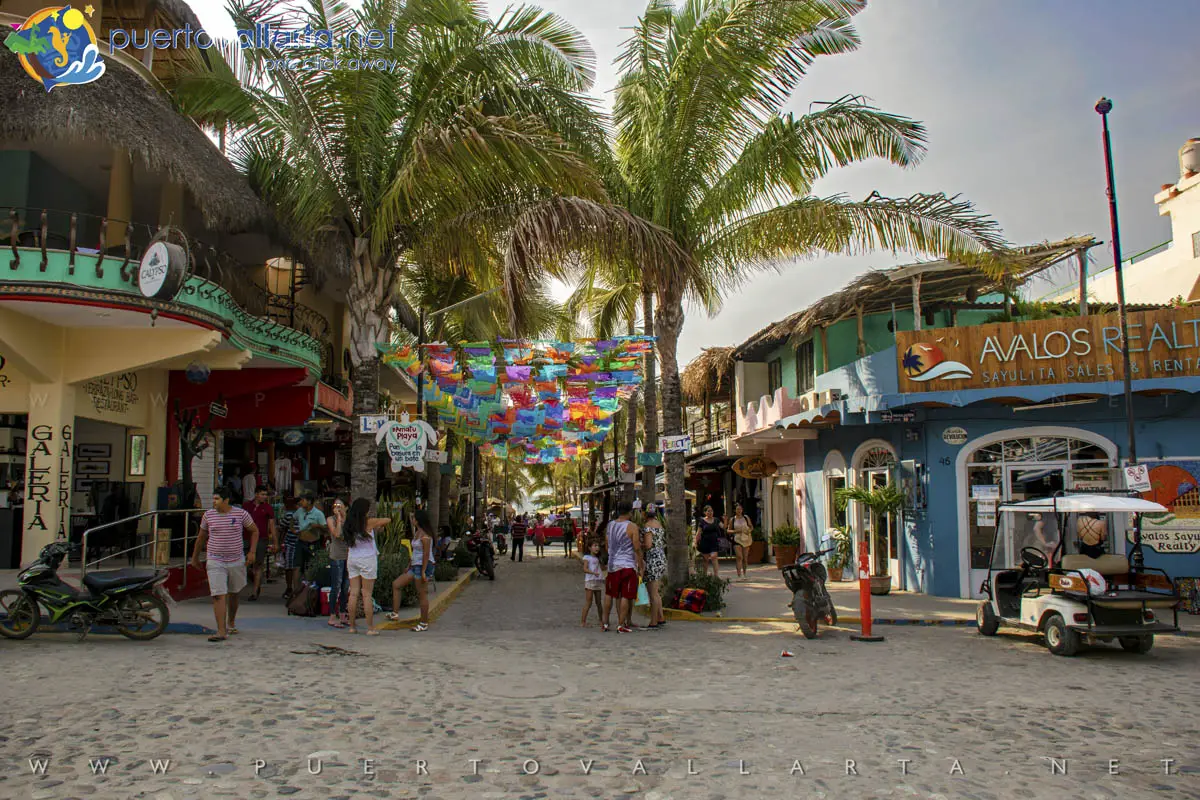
1162	344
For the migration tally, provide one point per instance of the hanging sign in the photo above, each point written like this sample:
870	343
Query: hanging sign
293	438
162	271
218	410
753	467
954	436
370	423
897	416
649	459
436	456
407	442
675	444
1137	478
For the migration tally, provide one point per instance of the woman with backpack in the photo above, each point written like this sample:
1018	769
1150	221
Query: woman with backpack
362	561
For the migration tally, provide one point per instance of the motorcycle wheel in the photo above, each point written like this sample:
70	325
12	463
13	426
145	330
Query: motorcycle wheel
805	617
19	614
149	613
489	568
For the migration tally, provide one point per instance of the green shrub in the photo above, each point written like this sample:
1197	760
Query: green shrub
391	566
445	571
318	569
757	535
462	556
785	535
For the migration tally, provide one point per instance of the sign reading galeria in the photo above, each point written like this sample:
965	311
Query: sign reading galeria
1162	344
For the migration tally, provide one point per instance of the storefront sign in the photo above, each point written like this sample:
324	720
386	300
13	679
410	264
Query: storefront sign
293	438
1175	484
954	436
407	442
114	394
162	271
897	416
218	410
1137	478
675	444
649	459
1162	344
370	423
753	467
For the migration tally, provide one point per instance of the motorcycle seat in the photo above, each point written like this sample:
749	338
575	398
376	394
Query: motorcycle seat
111	579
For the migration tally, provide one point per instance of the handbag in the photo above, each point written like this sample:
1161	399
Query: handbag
643	596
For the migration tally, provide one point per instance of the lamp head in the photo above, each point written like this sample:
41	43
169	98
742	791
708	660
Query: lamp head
1104	105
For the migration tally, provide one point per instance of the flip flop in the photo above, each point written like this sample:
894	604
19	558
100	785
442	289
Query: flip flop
372	633
232	630
337	624
393	616
216	638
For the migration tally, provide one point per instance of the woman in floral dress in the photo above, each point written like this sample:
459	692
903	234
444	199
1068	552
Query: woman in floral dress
654	546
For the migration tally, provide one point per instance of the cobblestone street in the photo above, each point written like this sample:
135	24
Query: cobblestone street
506	677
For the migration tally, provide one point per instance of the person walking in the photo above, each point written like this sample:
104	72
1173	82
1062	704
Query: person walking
287	524
742	528
362	560
221	530
568	529
517	532
263	515
339	576
708	539
420	571
654	546
593	584
624	566
539	539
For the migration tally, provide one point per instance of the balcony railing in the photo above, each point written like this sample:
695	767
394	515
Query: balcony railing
769	409
710	433
84	237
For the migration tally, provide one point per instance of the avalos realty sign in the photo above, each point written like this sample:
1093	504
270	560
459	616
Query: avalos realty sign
1162	344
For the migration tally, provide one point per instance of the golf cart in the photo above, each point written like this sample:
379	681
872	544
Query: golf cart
1055	569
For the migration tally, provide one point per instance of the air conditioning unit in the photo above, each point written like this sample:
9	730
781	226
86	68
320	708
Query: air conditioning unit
830	396
814	399
805	401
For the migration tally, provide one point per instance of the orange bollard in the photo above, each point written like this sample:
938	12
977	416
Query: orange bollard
864	599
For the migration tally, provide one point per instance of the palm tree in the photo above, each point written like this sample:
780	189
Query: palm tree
705	151
468	152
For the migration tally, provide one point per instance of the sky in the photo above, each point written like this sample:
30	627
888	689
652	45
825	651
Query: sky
1006	89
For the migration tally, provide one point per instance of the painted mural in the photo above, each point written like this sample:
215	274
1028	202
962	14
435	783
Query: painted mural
1176	485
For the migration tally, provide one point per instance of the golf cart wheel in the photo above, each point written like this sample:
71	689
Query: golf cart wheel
804	616
1137	644
1060	640
986	620
19	614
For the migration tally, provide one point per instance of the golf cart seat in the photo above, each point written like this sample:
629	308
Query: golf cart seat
1107	565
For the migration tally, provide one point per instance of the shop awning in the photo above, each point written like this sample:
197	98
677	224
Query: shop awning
824	415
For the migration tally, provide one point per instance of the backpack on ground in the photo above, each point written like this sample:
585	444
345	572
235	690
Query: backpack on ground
307	602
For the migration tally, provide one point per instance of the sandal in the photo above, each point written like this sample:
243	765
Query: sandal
352	629
421	626
232	630
372	632
604	628
336	623
216	638
393	616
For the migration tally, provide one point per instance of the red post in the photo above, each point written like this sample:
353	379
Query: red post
864	598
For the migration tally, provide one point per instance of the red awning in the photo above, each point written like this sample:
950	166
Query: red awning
255	398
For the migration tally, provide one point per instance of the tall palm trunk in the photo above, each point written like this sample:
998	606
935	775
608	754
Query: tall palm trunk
631	408
468	473
366	300
670	324
649	473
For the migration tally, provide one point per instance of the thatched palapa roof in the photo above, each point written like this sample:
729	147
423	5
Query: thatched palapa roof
941	282
709	376
123	109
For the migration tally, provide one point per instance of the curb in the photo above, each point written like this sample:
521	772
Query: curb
688	616
437	607
189	628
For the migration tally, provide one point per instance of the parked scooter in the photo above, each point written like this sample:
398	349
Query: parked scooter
810	599
131	600
485	554
501	542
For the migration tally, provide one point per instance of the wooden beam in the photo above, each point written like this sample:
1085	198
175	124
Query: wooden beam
1081	256
916	299
824	349
862	343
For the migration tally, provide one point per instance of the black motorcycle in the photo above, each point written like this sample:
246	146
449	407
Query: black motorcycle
810	599
481	547
131	600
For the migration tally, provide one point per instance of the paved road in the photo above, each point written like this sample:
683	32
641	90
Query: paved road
509	678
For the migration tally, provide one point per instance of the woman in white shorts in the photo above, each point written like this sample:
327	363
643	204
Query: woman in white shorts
362	562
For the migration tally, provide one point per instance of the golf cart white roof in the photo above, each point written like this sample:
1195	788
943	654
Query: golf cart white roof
1087	504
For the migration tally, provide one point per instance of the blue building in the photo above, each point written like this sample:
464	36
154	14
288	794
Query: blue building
926	378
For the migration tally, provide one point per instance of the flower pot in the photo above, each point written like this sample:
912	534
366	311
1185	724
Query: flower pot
785	554
757	554
835	574
881	584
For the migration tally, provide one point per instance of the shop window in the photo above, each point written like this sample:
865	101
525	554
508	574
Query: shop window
834	518
806	368
774	375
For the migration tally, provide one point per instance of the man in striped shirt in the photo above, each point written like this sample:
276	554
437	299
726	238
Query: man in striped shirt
221	532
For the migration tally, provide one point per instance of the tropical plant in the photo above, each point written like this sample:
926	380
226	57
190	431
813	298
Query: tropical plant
445	571
842	547
757	535
469	156
786	536
879	502
704	150
390	567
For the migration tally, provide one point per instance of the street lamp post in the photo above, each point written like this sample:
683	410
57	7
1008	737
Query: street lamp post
1102	108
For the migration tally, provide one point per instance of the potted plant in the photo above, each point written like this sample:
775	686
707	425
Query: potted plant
785	541
758	547
879	502
839	559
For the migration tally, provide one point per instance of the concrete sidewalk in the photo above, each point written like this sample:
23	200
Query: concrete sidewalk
763	597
